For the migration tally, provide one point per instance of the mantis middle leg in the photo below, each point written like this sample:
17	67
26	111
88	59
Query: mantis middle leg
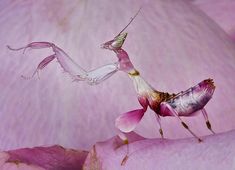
160	126
174	113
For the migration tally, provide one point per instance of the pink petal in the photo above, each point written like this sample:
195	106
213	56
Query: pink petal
222	12
216	152
114	144
172	43
38	158
127	122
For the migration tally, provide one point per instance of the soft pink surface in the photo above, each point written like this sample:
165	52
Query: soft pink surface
221	11
173	44
216	152
48	158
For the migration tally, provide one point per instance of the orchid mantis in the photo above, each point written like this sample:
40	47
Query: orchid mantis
186	103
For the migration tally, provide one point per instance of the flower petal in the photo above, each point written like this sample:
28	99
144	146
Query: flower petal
216	10
128	121
40	158
180	154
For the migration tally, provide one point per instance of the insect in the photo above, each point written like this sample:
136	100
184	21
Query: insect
186	103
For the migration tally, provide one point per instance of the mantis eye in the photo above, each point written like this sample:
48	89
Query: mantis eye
116	43
119	40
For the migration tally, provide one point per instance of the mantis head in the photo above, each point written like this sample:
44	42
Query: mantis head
116	43
119	40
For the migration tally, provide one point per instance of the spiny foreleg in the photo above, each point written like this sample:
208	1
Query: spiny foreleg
37	45
33	45
64	60
41	65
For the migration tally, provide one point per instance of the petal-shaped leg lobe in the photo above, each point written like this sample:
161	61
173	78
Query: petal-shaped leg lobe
129	120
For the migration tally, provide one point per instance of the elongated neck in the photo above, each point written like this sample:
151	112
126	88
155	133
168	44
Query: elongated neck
125	63
122	54
147	95
141	85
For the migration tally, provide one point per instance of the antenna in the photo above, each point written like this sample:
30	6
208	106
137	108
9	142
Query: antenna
132	18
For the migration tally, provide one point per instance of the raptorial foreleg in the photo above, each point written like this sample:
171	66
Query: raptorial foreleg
127	122
37	45
41	65
69	66
33	45
64	60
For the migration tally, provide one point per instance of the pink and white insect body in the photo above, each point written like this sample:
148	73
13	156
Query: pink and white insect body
163	104
185	103
188	102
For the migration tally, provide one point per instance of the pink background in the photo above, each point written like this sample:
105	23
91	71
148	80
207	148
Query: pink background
173	44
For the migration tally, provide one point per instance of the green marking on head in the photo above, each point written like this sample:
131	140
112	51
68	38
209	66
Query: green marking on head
119	40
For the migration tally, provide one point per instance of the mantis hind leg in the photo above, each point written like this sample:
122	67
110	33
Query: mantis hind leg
174	113
208	124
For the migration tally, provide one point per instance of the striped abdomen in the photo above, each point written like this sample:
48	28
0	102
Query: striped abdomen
191	100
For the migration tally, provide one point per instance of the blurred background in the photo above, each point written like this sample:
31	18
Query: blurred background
174	44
